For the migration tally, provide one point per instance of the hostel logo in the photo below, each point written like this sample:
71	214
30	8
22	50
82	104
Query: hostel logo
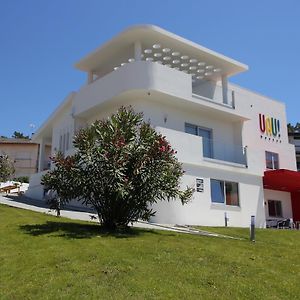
269	127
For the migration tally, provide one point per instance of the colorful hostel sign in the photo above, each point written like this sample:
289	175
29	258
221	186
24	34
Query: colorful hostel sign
269	127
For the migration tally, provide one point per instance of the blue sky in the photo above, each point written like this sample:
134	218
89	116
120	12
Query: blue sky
41	40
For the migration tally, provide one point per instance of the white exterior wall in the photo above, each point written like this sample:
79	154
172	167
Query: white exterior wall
201	211
35	189
254	104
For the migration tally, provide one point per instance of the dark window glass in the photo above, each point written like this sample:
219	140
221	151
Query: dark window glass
217	191
192	129
272	160
232	194
275	209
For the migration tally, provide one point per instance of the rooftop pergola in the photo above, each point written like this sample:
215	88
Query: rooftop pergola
153	44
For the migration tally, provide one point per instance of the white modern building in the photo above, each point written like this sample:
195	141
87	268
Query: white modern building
232	142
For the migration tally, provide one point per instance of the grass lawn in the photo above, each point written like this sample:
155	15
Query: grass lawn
43	257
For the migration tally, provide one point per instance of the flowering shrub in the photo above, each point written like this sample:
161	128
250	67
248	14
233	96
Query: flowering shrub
121	167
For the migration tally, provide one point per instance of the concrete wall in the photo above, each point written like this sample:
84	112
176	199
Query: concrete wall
24	157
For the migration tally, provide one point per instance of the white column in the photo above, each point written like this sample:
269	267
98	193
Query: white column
90	77
41	155
137	51
225	89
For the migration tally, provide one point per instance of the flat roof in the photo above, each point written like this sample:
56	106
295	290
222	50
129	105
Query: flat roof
16	141
122	46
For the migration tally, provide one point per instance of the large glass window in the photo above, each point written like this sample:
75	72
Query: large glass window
272	160
225	192
275	209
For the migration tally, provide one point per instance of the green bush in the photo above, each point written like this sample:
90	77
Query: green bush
121	167
22	179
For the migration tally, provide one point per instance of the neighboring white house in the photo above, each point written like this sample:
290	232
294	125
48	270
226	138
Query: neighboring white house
294	138
231	141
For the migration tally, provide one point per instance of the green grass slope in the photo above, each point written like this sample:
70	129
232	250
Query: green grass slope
44	257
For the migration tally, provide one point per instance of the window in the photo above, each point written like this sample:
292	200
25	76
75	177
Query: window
275	209
272	160
206	135
225	192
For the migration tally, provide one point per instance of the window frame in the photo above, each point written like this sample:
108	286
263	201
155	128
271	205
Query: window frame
275	208
224	182
273	161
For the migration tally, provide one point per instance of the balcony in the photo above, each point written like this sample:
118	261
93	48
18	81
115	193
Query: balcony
197	150
136	79
224	152
215	93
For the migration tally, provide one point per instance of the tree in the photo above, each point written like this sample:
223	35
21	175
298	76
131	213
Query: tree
6	167
121	167
20	135
290	128
293	128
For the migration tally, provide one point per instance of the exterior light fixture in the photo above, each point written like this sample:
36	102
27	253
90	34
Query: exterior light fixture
166	50
175	53
156	46
184	57
148	51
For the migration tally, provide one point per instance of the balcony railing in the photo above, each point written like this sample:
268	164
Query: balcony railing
214	93
223	151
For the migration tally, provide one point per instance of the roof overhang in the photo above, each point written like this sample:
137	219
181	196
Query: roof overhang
282	180
45	130
149	35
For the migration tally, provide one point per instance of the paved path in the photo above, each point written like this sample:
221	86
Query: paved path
76	214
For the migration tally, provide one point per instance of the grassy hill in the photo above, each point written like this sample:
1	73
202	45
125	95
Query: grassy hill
43	257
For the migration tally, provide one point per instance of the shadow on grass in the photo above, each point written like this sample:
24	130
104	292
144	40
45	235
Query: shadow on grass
72	230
